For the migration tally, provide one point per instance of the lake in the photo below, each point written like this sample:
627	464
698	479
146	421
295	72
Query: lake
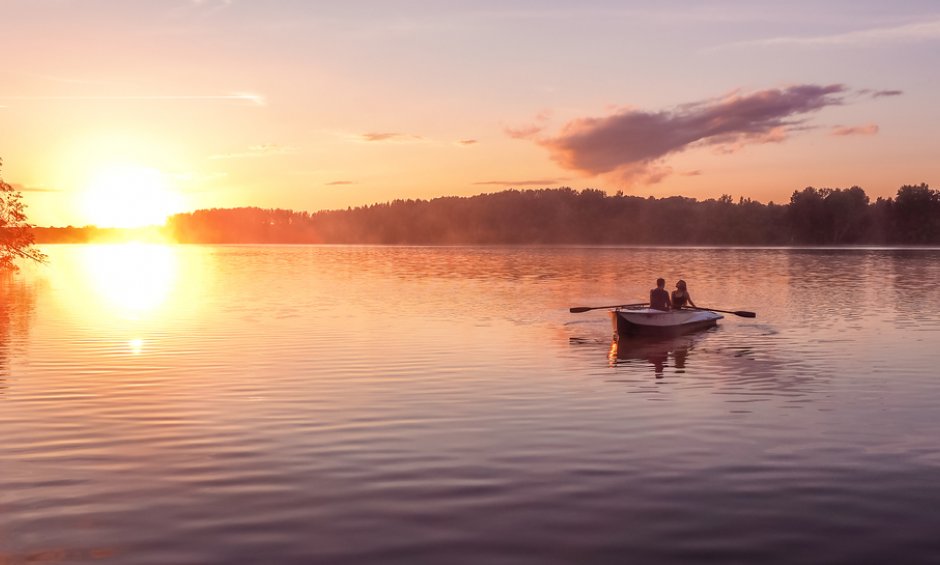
321	404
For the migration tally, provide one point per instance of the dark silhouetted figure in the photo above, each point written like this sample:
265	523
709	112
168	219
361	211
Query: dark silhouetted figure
659	298
681	296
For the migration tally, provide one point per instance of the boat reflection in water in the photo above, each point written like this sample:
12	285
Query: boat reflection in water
654	336
657	351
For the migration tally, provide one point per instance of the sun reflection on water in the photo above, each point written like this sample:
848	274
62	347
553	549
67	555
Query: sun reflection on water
136	345
132	279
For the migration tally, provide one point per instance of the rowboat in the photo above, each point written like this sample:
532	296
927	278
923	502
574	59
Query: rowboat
651	322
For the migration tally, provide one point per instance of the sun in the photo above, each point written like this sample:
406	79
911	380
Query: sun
128	196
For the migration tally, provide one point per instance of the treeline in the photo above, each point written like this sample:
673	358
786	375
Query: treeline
825	216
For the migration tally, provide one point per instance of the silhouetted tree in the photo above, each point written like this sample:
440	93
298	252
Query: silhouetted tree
807	216
917	215
16	236
829	216
847	214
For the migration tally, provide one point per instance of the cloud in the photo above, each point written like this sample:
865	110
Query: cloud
22	188
339	182
530	130
524	132
545	182
633	144
881	93
390	136
380	136
868	129
256	99
917	31
467	142
255	151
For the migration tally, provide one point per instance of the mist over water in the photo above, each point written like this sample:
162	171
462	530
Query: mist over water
298	404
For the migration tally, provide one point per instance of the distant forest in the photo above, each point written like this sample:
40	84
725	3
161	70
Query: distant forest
814	216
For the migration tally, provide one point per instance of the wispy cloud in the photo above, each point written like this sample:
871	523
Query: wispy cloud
524	132
255	151
633	143
390	136
543	182
467	142
393	137
339	183
917	31
535	127
883	93
867	129
23	188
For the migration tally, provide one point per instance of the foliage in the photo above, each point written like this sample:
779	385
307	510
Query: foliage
824	216
16	237
829	216
917	214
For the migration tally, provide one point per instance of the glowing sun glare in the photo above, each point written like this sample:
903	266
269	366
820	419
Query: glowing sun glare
133	279
129	196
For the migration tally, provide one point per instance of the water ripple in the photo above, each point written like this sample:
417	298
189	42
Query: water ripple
441	405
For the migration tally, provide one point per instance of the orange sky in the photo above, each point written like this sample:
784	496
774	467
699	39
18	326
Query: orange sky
119	113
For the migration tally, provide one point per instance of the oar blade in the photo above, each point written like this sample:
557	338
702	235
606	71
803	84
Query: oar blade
579	309
742	313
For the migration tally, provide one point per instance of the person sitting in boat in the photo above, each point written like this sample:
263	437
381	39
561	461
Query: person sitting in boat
681	296
659	298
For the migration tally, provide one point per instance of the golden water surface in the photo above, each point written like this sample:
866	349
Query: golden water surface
302	404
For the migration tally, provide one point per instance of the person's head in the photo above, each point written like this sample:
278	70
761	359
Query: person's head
680	285
660	283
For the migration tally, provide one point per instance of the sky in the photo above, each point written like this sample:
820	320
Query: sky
119	112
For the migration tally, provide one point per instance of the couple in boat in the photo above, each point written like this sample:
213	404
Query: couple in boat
660	299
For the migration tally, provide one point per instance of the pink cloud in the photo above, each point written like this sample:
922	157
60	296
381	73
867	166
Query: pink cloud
380	136
532	130
524	132
631	143
390	136
867	129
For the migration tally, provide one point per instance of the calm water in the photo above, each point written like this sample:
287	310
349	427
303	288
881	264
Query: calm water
441	405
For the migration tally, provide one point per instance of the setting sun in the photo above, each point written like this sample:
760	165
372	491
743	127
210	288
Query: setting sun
129	196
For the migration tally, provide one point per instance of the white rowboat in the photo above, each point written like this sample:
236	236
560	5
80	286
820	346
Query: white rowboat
648	321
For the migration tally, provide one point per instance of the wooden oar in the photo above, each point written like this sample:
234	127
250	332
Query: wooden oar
579	309
742	313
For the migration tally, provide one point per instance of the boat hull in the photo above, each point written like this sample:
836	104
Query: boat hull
650	322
